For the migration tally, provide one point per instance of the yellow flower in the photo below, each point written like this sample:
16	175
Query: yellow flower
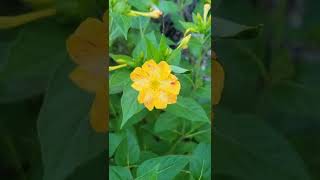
156	85
88	48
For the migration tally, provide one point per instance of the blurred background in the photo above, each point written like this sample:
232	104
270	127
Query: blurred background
268	122
29	56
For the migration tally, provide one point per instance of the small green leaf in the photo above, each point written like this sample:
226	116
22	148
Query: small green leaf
129	104
178	70
119	173
189	109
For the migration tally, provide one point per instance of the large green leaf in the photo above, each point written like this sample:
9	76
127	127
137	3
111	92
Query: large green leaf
247	148
150	175
122	22
129	104
66	136
169	166
200	163
166	121
128	151
118	80
227	29
119	173
114	142
189	109
31	60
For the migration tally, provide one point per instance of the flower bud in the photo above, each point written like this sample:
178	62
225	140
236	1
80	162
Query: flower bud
206	10
153	14
184	42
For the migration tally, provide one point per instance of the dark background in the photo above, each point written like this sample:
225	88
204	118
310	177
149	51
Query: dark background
268	122
272	81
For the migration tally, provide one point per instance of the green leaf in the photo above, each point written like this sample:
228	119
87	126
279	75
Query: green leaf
152	50
114	142
200	163
264	156
123	22
128	151
169	166
175	57
141	46
226	29
31	60
163	47
168	7
118	80
140	23
189	109
141	5
165	122
188	25
145	155
150	175
136	118
119	173
66	136
178	70
129	104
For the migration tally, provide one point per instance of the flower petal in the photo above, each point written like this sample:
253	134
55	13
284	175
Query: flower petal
87	80
140	78
98	113
161	100
171	85
172	98
146	96
152	69
165	69
87	46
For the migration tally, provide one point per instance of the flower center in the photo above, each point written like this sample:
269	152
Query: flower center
155	84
